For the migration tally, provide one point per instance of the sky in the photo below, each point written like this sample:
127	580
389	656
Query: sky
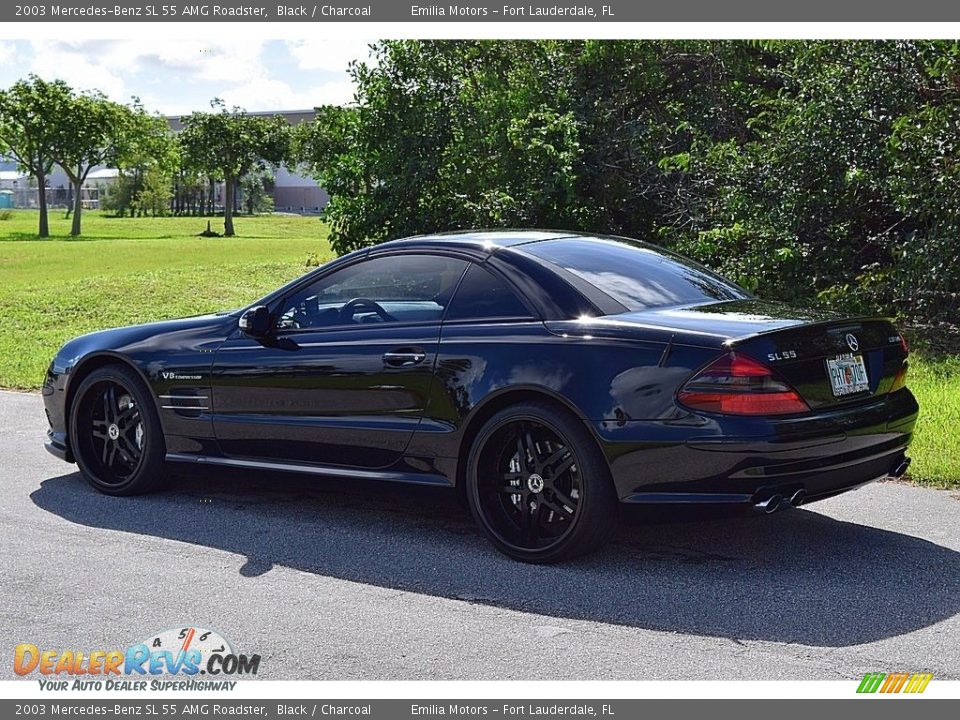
175	77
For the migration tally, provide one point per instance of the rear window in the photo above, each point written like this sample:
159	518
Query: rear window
637	275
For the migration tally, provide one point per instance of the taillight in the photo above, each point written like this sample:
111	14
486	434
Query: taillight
739	385
900	379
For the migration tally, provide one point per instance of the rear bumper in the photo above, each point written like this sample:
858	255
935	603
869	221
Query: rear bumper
748	460
793	491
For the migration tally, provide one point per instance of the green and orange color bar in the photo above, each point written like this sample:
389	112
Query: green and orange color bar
894	682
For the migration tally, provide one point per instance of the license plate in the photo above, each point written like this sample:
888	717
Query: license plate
848	375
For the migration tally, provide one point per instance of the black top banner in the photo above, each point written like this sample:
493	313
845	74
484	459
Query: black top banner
394	11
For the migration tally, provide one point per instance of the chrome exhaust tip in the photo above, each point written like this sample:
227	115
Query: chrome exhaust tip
900	470
769	505
798	497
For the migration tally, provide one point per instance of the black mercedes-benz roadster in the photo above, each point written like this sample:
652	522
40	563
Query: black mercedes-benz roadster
548	375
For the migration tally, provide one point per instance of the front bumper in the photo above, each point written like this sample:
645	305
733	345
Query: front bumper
57	445
54	402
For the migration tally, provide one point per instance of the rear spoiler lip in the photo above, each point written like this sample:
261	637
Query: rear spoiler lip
729	343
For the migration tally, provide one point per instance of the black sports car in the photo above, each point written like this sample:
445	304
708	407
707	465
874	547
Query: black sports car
548	375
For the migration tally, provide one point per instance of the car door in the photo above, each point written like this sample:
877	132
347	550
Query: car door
345	375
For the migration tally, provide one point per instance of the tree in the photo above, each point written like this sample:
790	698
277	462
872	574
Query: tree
255	187
811	171
147	153
155	193
228	144
506	133
34	115
95	133
844	191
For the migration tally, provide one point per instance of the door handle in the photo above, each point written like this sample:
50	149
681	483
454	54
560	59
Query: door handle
404	357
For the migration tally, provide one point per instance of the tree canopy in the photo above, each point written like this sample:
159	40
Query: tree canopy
816	171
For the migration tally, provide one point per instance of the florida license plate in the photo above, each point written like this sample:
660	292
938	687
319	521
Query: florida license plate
848	375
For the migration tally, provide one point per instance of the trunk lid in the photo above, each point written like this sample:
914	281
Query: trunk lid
828	358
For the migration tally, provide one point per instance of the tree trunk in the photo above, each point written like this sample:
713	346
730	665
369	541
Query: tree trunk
228	207
77	207
211	204
42	200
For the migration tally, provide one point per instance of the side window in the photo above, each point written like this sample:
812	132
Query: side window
398	288
483	295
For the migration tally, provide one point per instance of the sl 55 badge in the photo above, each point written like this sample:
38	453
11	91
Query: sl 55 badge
782	355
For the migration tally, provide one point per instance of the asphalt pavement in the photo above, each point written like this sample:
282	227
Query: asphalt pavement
357	580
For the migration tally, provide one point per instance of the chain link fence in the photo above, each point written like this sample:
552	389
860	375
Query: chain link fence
59	197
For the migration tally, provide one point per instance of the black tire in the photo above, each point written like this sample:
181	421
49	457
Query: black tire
564	505
115	432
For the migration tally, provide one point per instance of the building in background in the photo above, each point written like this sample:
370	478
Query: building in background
10	180
17	189
10	177
293	189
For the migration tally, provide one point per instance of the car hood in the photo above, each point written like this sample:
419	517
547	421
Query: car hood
168	335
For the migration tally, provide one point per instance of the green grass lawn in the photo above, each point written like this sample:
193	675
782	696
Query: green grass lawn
127	270
936	446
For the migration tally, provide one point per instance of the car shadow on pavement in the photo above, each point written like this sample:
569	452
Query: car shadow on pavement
793	577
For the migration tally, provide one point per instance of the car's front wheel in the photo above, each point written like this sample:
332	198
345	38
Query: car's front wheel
115	433
538	485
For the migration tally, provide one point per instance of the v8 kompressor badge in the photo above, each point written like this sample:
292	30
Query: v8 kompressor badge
168	375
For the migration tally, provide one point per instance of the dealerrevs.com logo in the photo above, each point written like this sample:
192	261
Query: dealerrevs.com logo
154	664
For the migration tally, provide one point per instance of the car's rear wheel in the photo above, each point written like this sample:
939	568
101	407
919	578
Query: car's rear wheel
538	485
115	433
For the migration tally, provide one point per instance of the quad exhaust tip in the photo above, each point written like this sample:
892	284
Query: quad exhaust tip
778	502
770	504
900	470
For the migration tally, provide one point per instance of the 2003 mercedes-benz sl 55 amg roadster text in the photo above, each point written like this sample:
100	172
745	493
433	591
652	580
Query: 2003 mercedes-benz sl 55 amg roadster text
550	376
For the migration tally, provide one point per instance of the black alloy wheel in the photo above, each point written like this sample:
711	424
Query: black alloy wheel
115	433
538	485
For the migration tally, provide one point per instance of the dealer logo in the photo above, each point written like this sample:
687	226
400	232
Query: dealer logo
186	651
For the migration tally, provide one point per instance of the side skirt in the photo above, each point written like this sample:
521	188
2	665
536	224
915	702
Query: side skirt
317	470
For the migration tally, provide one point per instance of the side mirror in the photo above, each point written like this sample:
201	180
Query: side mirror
255	322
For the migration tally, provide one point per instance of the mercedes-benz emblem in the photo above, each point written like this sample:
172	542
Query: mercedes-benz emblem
113	432
535	483
852	342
